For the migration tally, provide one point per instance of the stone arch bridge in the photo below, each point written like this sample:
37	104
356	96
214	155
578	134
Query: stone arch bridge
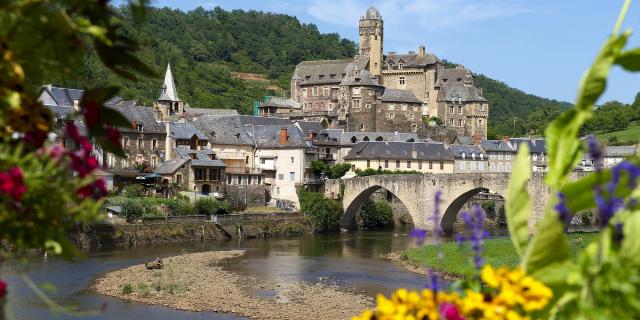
417	192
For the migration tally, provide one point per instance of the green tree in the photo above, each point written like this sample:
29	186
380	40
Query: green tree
210	206
325	213
132	209
375	214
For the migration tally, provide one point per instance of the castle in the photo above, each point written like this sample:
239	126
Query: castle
392	92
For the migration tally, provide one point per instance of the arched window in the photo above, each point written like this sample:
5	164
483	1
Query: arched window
354	139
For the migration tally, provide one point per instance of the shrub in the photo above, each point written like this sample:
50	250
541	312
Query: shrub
210	206
375	214
127	288
134	191
132	209
325	213
179	207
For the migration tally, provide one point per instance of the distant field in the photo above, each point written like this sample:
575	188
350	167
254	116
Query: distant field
629	135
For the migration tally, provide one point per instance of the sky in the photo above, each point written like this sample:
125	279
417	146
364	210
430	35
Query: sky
541	47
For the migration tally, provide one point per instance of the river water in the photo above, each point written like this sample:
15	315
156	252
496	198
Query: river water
350	259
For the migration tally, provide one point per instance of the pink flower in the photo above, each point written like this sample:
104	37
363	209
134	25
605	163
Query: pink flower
3	289
113	135
95	190
91	113
12	183
36	138
450	312
72	131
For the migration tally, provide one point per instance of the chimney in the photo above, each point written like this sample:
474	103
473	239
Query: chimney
414	153
392	53
313	135
505	139
134	124
167	141
283	136
421	51
445	142
476	140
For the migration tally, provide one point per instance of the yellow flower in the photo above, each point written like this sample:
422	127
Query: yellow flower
365	315
489	276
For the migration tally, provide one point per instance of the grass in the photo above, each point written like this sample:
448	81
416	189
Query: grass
631	134
497	252
263	209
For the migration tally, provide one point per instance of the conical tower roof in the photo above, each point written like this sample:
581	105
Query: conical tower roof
169	87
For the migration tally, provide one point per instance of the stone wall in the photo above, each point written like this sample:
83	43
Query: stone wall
247	195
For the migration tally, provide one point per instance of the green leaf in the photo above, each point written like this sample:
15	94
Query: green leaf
630	247
549	246
629	60
563	145
518	202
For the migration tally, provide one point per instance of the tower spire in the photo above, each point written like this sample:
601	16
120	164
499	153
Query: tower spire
169	86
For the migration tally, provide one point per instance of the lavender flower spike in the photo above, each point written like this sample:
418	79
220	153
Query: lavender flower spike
563	211
419	234
475	222
595	152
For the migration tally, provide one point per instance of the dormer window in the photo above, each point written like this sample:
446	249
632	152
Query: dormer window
459	79
332	76
193	156
139	128
400	65
321	76
463	155
307	78
212	157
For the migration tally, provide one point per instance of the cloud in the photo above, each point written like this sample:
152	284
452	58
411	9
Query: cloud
430	15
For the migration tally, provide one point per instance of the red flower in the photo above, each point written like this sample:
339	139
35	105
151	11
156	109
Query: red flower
12	183
95	190
35	138
72	131
91	113
3	289
113	135
450	312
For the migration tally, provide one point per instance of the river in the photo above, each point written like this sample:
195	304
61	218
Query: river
350	259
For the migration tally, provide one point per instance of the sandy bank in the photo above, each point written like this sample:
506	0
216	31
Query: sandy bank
401	259
198	282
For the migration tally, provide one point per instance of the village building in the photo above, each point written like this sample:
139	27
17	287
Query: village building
401	156
279	107
393	92
501	154
611	156
168	104
193	170
469	159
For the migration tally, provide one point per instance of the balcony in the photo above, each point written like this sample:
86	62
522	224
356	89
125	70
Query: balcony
267	166
242	170
232	155
327	157
309	181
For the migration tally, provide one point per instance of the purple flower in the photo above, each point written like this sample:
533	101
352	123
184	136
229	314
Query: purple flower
435	219
433	281
618	235
475	222
460	239
563	211
609	205
419	234
595	152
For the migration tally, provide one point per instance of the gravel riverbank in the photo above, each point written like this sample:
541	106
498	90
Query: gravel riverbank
198	282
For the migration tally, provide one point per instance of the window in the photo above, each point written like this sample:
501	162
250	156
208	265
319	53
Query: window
386	163
430	164
400	65
441	165
293	160
408	164
492	156
390	115
397	164
263	160
248	179
280	176
154	161
535	157
451	110
508	156
198	173
451	122
492	167
480	166
292	176
356	103
325	91
459	110
482	107
139	128
368	163
459	122
473	155
154	143
404	107
110	160
499	156
508	167
411	116
229	179
304	92
499	167
402	80
420	165
463	155
140	143
480	124
462	165
178	178
125	142
481	156
314	91
362	127
473	165
278	190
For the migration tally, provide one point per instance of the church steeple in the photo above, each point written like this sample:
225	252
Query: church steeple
169	92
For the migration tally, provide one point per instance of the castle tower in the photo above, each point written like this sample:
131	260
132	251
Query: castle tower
168	103
371	34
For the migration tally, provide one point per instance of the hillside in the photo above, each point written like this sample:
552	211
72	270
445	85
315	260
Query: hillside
226	59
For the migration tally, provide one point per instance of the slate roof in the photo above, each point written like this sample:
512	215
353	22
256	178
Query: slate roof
169	92
202	157
141	115
359	77
62	97
269	136
450	75
535	145
400	151
346	137
464	140
457	91
497	146
224	130
309	126
280	102
253	120
170	166
61	112
209	111
372	13
186	130
468	150
399	95
620	151
326	71
411	60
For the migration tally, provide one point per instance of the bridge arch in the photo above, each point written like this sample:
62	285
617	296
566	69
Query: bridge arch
348	219
450	214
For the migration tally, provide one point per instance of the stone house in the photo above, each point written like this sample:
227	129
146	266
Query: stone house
469	159
537	152
279	107
284	154
229	139
401	156
461	105
400	109
194	170
612	155
501	154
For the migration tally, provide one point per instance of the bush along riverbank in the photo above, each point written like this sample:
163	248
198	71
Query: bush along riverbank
231	227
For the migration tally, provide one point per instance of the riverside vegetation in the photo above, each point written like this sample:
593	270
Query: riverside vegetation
553	279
